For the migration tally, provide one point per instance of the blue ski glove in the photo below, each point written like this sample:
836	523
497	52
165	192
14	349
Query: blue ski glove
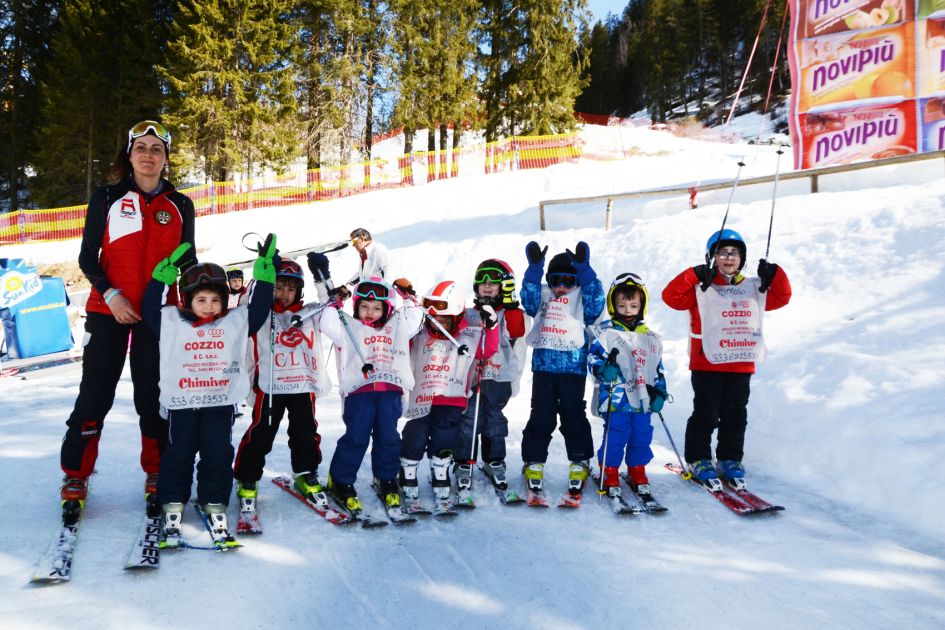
535	254
610	371
657	398
167	270
581	259
318	265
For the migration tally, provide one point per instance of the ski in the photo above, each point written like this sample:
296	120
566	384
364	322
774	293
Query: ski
536	498
465	499
367	521
759	504
41	365
443	506
56	564
618	504
146	552
248	523
395	513
730	501
325	248
334	517
649	503
413	505
506	495
221	541
570	500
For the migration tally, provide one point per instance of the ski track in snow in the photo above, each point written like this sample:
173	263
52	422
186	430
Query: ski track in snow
844	431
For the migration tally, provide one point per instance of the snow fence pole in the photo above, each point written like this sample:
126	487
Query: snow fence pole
774	196
685	474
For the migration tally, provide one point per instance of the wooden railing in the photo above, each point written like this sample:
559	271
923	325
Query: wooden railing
814	175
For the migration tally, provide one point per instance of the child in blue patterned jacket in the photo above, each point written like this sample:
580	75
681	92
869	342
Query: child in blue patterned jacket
626	359
573	299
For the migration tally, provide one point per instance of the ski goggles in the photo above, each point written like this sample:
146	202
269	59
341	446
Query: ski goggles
436	305
145	127
566	280
372	291
629	278
202	275
492	275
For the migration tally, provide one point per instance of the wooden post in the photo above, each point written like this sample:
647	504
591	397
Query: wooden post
813	184
607	215
541	216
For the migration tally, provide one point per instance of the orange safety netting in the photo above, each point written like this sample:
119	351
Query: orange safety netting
327	182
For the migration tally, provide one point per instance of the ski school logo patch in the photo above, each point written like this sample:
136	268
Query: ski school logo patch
162	216
128	209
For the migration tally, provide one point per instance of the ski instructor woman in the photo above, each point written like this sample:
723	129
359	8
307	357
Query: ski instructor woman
131	224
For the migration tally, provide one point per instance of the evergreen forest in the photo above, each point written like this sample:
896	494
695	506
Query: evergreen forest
247	85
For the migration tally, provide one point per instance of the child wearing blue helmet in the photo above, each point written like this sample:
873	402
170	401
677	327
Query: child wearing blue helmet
725	314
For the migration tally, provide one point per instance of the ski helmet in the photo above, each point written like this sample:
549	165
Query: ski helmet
626	284
204	276
291	271
492	270
561	271
445	299
374	289
234	273
721	238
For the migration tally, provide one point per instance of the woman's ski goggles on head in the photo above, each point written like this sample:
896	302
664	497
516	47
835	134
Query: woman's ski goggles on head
145	127
372	292
566	280
492	275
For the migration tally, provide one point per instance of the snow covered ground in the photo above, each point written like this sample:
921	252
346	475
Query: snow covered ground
844	430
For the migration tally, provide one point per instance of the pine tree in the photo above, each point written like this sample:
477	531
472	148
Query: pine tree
100	81
233	93
26	28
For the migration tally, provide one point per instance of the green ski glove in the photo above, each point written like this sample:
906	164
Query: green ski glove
263	269
166	271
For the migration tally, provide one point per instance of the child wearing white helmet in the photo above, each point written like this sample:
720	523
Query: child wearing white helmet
725	315
444	357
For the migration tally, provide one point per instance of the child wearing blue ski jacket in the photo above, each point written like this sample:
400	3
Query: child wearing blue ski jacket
573	299
625	358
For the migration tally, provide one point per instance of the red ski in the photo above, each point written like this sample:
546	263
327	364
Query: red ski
752	499
332	516
730	501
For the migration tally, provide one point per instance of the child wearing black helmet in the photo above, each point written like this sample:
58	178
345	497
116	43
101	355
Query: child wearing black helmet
725	320
625	357
237	284
203	373
573	299
288	371
493	285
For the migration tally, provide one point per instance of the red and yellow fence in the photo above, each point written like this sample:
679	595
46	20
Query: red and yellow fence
329	182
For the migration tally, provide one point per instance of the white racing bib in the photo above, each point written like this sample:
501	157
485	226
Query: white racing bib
385	348
638	357
439	369
732	322
559	323
203	366
298	363
506	365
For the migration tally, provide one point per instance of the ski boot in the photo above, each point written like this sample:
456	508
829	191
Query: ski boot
440	476
345	495
388	491
463	472
636	477
307	484
611	481
732	472
578	473
216	519
173	515
74	489
534	474
704	472
408	479
247	493
495	471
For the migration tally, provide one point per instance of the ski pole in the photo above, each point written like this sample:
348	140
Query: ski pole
482	365
774	196
685	474
311	311
728	207
272	362
611	358
463	348
366	368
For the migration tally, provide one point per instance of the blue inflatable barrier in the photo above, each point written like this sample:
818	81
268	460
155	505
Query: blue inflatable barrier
39	324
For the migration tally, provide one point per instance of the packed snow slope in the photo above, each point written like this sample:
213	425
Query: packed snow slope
844	430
